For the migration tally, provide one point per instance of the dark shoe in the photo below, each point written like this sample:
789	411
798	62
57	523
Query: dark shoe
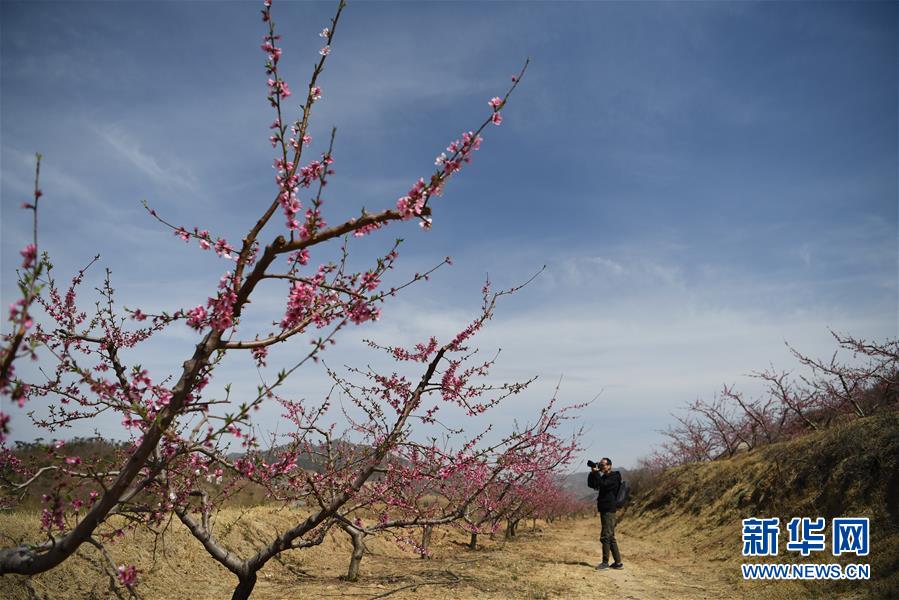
617	565
602	565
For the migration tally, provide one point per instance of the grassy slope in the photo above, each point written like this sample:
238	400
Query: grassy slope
851	470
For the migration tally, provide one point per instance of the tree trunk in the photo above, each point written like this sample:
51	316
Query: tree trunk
356	558
473	543
244	588
426	540
510	528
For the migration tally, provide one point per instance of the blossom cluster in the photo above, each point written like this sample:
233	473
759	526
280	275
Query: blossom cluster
220	313
220	245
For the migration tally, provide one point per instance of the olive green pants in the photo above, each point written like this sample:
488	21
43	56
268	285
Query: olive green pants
607	537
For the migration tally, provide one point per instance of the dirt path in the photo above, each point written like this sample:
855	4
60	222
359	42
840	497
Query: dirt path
564	559
559	562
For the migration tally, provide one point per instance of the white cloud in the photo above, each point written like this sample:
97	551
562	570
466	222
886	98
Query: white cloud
805	254
612	265
129	148
55	182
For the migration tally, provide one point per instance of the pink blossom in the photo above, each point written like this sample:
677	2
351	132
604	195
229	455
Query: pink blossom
311	172
52	517
366	229
273	52
196	317
497	118
300	299
300	257
496	102
29	253
316	94
222	315
279	88
127	575
259	355
413	204
15	308
370	281
325	51
361	312
223	249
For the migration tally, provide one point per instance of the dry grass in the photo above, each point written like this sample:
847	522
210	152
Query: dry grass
851	470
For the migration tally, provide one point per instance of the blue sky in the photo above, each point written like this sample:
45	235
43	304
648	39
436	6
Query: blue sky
702	180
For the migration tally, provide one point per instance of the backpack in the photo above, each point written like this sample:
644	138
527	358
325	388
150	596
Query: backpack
623	495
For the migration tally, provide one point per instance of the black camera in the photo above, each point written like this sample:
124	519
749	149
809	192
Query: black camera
592	464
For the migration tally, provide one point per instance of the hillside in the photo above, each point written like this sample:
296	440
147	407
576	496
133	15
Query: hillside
850	470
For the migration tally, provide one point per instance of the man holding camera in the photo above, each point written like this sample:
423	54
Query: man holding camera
607	482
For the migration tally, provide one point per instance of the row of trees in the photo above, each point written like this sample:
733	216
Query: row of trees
377	475
860	378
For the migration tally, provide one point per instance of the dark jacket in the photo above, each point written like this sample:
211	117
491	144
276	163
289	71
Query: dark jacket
608	489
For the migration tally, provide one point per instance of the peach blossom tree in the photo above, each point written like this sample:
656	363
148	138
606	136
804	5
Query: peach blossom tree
180	429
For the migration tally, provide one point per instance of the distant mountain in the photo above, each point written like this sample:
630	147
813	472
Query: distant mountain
576	484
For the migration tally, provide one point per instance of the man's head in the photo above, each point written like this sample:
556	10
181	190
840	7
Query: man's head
605	464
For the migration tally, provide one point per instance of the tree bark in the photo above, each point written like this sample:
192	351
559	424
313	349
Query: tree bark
244	588
356	558
510	528
473	543
426	540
